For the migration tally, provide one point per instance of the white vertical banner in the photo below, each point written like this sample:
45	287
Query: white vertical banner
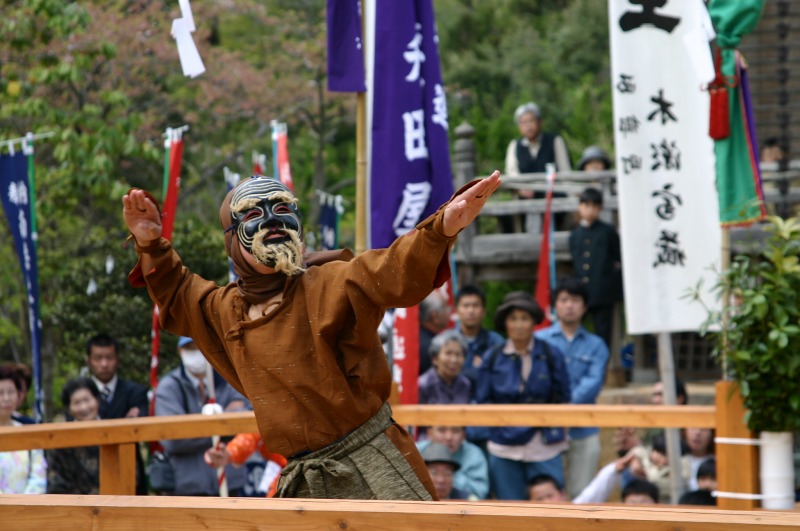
668	208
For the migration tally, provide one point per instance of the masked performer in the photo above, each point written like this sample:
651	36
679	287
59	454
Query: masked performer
297	334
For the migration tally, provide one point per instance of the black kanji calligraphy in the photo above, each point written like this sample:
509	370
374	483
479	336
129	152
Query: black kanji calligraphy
628	124
663	109
625	84
632	20
634	162
666	155
669	200
669	250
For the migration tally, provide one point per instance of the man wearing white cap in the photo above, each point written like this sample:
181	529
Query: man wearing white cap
184	391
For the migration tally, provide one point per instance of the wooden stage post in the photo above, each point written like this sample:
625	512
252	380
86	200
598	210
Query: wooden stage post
118	469
737	465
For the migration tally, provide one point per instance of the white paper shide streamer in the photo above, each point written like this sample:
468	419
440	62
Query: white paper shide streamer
182	29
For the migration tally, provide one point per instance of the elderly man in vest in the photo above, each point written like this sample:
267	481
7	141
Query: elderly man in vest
530	153
535	148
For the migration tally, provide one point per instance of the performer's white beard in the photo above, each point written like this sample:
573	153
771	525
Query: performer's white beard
285	257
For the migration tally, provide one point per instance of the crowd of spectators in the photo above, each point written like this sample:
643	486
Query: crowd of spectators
461	361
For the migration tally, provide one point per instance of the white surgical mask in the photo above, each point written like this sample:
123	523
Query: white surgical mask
194	362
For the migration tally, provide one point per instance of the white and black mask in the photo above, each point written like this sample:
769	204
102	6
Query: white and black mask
267	223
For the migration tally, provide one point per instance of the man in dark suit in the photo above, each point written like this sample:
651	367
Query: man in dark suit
119	398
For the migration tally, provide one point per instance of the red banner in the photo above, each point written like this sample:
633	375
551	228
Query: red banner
544	278
155	342
173	183
173	186
446	290
405	353
280	148
259	163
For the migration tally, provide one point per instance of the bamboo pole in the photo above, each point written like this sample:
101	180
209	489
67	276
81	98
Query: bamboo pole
361	142
725	265
361	172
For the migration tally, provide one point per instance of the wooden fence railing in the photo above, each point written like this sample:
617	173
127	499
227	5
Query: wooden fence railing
117	438
117	513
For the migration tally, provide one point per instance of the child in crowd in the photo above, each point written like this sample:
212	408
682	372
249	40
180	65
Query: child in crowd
706	482
595	249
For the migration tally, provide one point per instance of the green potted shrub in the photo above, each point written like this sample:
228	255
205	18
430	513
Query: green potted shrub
757	340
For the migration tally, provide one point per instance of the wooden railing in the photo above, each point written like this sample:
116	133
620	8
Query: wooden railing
737	470
115	513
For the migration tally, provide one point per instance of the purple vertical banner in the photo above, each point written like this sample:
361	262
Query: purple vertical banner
345	50
410	173
17	203
746	101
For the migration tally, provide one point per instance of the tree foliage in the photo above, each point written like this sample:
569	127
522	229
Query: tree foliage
498	55
759	329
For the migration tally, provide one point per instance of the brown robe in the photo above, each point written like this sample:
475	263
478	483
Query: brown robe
313	366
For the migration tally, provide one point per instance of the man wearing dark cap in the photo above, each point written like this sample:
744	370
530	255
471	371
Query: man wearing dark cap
442	467
524	370
297	334
594	158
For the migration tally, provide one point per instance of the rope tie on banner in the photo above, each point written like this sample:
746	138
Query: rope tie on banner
332	200
231	178
25	142
173	133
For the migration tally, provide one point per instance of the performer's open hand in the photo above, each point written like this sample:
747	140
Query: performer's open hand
464	208
141	216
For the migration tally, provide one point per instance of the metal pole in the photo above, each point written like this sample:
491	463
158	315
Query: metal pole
666	367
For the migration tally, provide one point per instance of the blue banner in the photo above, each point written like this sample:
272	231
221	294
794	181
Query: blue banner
345	50
17	203
329	212
410	154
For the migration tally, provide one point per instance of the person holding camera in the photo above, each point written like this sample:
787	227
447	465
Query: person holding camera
523	370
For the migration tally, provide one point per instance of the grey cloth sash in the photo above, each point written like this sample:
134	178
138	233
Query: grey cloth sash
365	465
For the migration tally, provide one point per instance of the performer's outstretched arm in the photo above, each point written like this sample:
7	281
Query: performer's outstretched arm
466	206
